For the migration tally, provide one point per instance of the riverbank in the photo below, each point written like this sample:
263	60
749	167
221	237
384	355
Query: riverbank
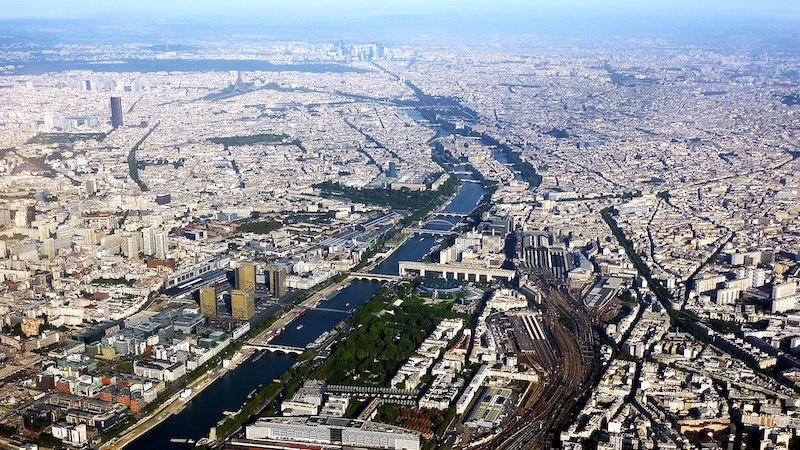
174	404
252	382
293	313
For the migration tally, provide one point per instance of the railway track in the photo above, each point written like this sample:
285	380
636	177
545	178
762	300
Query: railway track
564	385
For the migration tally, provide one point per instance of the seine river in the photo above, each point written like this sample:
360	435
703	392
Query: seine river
230	392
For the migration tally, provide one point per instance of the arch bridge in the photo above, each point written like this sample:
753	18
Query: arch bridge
277	348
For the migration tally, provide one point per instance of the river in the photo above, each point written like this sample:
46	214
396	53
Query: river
230	392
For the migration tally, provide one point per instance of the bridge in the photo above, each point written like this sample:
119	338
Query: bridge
373	391
374	276
427	231
456	271
447	223
450	214
332	310
276	348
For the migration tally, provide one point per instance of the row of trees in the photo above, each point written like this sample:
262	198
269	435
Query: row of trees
238	141
133	166
65	138
259	227
394	198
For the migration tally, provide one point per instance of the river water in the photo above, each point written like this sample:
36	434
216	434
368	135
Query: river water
230	392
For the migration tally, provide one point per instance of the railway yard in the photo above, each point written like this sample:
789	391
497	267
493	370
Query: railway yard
567	360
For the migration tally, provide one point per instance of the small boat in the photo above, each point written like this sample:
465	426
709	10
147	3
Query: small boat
347	304
300	326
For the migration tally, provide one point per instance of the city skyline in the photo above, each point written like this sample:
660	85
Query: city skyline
407	225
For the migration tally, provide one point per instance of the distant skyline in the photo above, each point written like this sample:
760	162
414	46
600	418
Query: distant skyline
326	10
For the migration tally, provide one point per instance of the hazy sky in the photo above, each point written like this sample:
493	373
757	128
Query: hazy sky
400	20
362	9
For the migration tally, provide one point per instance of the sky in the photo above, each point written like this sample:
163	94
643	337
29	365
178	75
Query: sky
400	20
365	9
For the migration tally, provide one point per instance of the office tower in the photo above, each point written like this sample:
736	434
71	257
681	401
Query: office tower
277	281
246	277
88	85
116	112
208	302
243	304
391	172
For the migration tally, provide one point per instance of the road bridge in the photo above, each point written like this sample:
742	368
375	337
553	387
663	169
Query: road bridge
343	311
427	231
276	348
455	271
374	276
446	223
450	214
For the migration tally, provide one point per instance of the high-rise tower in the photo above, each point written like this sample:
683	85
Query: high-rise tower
239	85
246	277
277	281
243	305
208	301
116	112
